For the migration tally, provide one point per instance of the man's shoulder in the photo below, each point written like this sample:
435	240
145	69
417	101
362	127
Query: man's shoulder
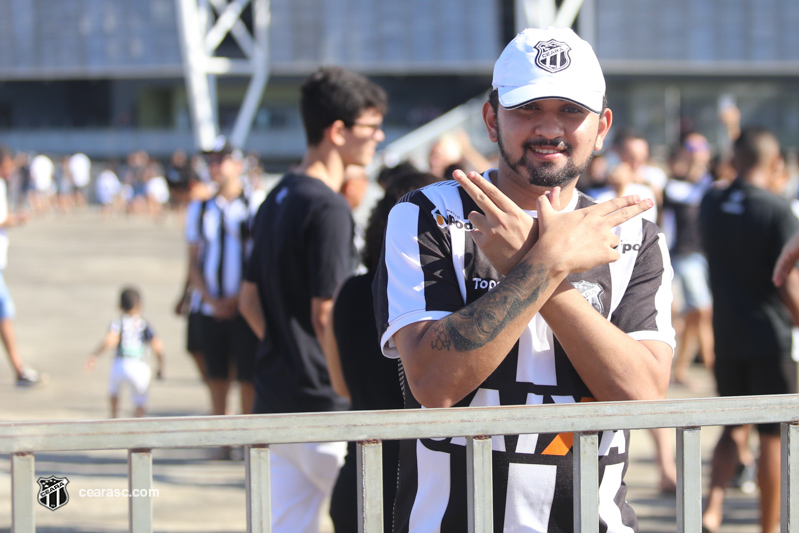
719	192
442	198
299	188
437	192
768	198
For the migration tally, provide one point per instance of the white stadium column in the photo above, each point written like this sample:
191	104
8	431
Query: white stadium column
204	24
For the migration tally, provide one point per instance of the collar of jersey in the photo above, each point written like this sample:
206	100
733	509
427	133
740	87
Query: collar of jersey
533	213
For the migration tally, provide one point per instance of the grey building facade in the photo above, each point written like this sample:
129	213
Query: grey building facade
106	76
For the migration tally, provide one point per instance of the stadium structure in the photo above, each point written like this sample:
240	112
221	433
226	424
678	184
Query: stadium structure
108	77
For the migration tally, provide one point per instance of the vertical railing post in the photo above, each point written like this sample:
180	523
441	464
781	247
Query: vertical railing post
689	480
479	484
140	483
370	486
259	502
23	494
586	482
789	455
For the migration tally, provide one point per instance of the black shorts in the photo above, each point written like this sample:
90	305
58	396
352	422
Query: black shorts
194	333
228	343
756	377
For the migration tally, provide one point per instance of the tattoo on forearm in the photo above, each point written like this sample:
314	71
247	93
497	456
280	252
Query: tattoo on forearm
441	340
480	322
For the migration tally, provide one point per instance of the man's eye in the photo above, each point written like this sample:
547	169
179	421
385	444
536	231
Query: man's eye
574	109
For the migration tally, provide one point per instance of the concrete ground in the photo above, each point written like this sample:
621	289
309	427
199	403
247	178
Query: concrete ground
65	273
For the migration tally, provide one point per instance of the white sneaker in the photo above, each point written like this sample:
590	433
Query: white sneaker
29	377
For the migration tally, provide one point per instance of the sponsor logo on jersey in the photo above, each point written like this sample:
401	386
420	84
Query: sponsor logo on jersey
734	205
625	247
480	283
591	292
553	56
443	221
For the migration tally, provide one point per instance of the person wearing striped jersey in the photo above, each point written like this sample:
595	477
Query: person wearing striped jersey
218	231
515	288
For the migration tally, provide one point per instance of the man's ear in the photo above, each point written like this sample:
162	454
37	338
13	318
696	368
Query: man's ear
605	120
490	120
335	132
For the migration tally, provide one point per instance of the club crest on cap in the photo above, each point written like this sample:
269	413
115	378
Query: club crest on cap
553	56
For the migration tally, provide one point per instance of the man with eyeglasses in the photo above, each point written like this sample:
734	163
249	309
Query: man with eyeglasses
303	251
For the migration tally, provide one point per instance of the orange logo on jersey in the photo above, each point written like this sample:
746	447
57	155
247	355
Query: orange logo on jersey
451	220
563	442
440	220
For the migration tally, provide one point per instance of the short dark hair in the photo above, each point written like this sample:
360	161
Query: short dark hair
331	94
493	99
752	148
387	173
129	298
627	133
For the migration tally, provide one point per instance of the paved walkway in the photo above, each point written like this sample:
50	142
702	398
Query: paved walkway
65	273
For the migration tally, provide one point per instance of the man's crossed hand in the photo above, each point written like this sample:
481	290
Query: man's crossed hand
575	241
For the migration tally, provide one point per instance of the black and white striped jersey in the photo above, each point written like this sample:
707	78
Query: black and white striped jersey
431	267
222	230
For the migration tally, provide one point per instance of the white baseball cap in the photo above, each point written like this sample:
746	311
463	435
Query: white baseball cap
550	63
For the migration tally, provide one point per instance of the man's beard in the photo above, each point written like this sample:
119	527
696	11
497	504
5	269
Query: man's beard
544	174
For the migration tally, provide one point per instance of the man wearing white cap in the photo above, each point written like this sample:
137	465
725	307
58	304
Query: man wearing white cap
514	288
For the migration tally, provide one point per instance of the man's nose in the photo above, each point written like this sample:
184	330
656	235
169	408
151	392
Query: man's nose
549	127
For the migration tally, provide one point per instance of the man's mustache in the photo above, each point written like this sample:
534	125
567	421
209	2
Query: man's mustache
556	144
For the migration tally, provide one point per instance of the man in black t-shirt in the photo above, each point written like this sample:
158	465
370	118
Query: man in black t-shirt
303	251
744	228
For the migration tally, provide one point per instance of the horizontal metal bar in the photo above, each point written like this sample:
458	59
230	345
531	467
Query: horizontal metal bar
191	432
665	67
224	66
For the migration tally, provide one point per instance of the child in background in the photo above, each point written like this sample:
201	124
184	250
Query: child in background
133	339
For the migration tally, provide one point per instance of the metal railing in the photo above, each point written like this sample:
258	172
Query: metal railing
369	428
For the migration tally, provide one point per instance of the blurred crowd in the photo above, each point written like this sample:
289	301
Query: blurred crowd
143	185
138	185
